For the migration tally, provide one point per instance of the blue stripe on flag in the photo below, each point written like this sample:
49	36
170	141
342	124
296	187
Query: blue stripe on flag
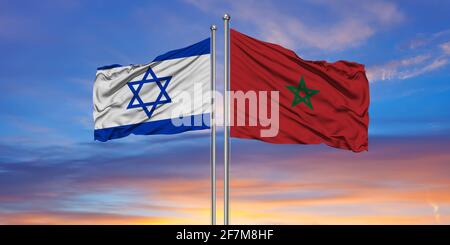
153	127
108	67
200	48
197	49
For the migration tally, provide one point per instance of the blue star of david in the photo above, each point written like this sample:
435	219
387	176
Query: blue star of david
159	100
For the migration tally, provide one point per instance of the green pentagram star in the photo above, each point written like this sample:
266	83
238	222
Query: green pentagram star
306	91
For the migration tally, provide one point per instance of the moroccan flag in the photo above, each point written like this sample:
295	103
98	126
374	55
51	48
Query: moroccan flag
319	102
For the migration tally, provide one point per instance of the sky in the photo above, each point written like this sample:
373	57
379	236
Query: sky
52	171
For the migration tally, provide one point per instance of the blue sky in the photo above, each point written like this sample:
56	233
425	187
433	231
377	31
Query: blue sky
50	51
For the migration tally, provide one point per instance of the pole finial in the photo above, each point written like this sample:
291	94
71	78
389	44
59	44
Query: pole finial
213	27
226	17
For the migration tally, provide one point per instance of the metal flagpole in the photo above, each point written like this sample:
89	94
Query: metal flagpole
213	125
226	119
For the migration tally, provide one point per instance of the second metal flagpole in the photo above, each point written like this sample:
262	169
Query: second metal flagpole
226	120
213	125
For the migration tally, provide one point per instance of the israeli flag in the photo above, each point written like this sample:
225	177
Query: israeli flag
167	96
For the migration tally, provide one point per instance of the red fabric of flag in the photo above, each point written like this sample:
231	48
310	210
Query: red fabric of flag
319	102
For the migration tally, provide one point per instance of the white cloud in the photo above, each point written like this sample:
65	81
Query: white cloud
406	68
393	69
434	53
345	28
437	216
427	39
435	64
446	48
344	24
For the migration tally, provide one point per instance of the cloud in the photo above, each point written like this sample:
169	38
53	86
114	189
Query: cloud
344	28
406	68
435	64
286	184
422	40
446	48
74	218
431	54
435	207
